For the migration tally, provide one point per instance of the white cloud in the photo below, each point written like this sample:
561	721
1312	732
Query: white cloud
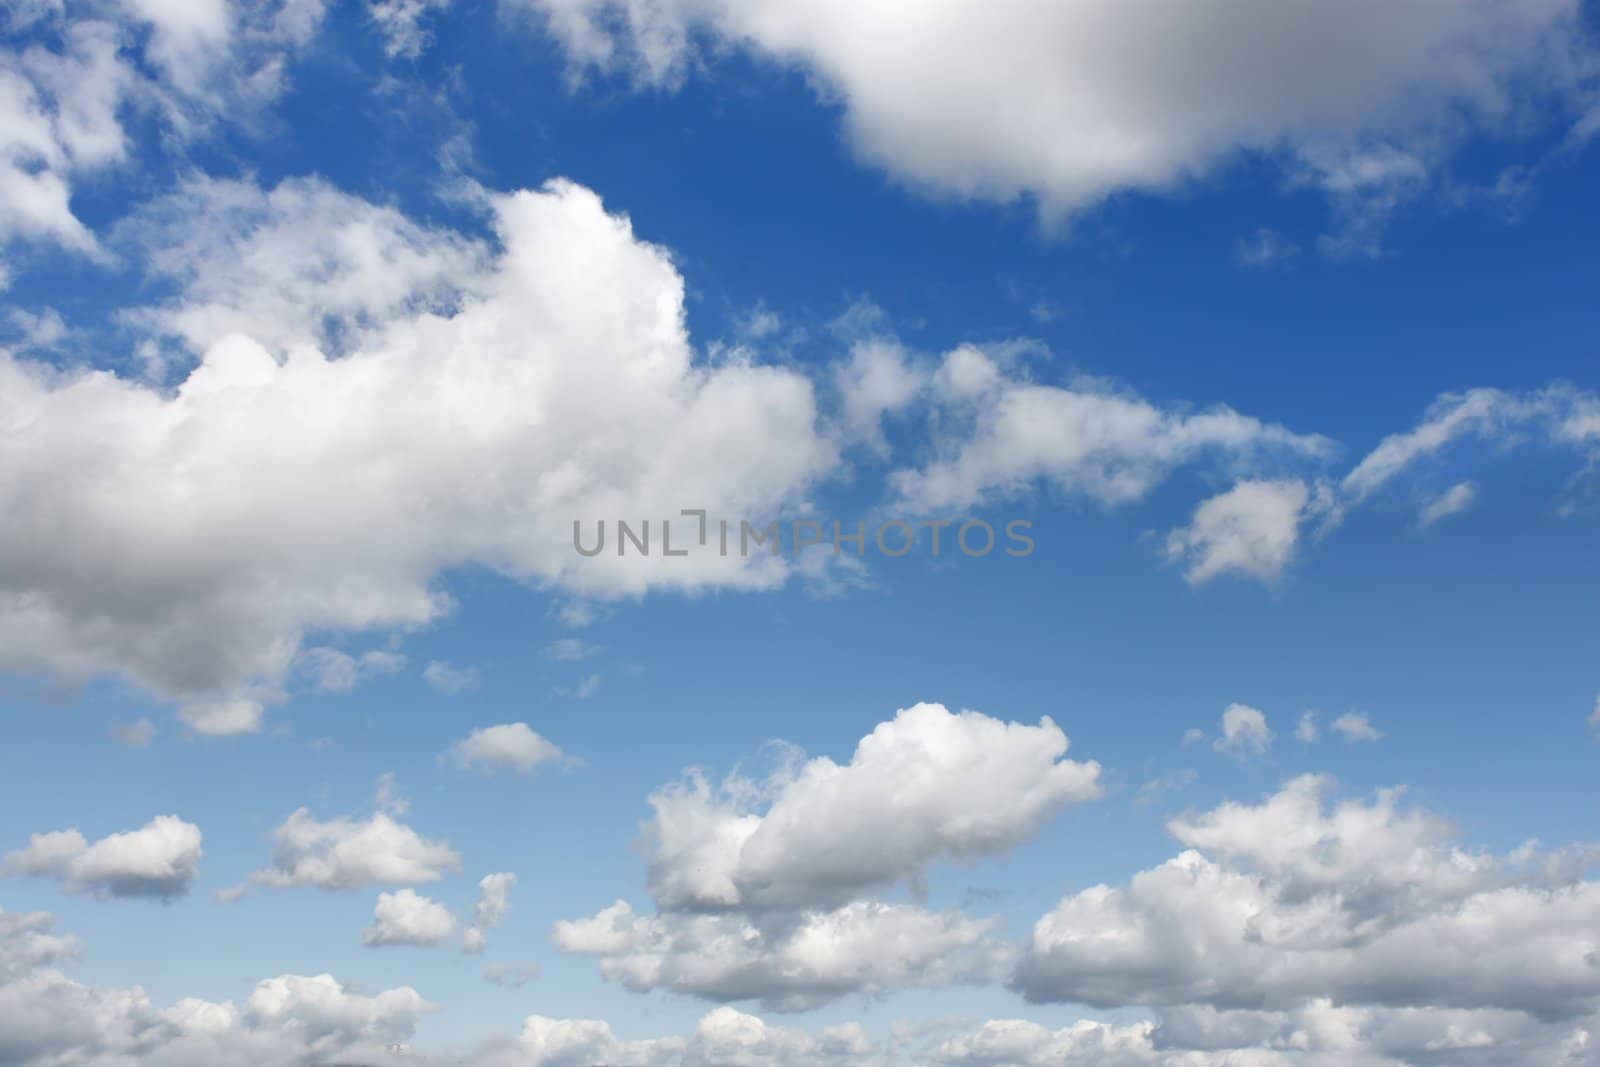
512	747
63	96
1315	1034
759	885
507	976
26	942
346	853
1560	414
1171	782
1244	732
1283	904
1000	433
449	678
298	264
723	1037
159	859
1452	501
570	650
878	380
407	918
1251	530
928	784
793	965
1100	98
1355	727
158	562
400	22
335	671
494	900
1306	729
586	687
222	715
1021	1043
289	1021
1594	716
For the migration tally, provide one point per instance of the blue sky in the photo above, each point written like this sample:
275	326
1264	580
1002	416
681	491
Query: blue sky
322	324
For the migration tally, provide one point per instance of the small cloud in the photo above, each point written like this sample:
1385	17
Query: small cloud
512	746
333	671
587	687
494	900
1244	732
575	614
507	976
1307	730
1171	782
1453	501
407	918
447	678
1594	717
570	650
758	323
223	716
1193	736
1264	249
1252	530
136	734
1355	727
388	799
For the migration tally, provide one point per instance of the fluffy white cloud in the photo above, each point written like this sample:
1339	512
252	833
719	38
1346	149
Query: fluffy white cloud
1251	530
407	918
513	747
58	118
1316	1034
724	1037
1359	96
298	264
345	853
1003	432
474	433
928	784
65	94
1279	905
26	942
49	1020
1244	731
792	963
759	885
1020	1043
1353	726
157	860
494	900
879	379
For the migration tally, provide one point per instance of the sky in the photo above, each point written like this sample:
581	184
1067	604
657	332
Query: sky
1260	335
